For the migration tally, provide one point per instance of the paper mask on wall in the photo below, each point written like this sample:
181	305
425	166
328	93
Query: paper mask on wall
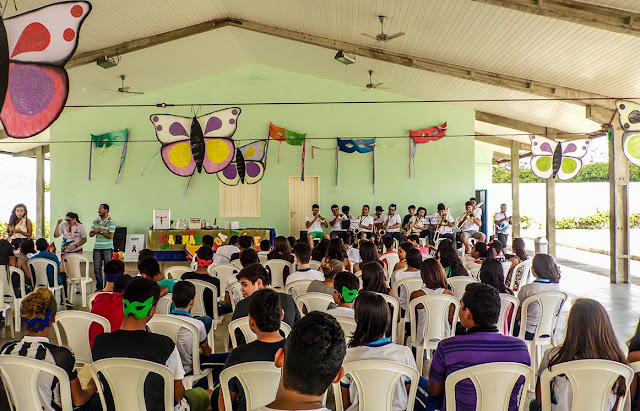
360	146
551	158
247	166
629	116
103	141
34	47
288	136
429	134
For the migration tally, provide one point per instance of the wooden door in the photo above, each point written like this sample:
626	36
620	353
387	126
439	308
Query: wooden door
302	195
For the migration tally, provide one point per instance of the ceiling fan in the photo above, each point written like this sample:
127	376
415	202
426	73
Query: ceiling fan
124	89
370	85
382	36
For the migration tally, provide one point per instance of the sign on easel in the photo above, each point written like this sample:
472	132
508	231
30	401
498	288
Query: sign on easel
161	219
135	243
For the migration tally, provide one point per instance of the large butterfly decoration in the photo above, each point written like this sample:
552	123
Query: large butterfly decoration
34	47
247	166
551	158
629	116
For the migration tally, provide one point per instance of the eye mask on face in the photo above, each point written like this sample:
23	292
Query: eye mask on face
44	322
138	309
111	277
203	263
349	295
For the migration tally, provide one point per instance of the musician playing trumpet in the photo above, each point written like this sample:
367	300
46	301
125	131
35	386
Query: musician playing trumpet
392	224
315	223
365	225
443	223
419	225
469	224
336	220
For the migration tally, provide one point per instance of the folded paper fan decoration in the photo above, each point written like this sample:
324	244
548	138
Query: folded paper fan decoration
551	158
34	47
425	135
629	116
116	138
359	146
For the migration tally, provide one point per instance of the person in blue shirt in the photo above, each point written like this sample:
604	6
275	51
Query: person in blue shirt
41	246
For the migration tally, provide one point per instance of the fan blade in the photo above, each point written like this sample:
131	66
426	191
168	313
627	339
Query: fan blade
366	89
134	92
393	36
376	85
370	36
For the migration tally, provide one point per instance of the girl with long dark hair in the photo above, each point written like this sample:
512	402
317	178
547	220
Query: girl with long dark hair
520	255
19	225
368	254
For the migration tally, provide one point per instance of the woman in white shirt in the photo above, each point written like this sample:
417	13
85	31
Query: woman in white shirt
73	234
369	343
589	336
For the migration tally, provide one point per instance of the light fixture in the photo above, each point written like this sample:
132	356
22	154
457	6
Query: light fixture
345	57
108	62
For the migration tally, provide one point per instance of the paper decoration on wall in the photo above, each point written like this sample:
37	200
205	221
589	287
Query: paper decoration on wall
551	158
629	116
425	135
247	166
359	146
104	141
288	136
34	47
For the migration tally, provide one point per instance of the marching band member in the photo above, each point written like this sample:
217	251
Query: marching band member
405	220
365	224
335	221
502	222
315	223
444	223
474	202
419	225
392	223
378	218
470	225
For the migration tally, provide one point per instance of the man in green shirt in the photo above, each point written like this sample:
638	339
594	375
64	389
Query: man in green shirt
103	229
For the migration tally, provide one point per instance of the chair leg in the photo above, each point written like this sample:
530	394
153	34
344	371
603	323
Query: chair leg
8	319
210	380
17	323
84	294
419	358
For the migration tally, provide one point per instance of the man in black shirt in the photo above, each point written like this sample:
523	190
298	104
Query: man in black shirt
244	242
265	314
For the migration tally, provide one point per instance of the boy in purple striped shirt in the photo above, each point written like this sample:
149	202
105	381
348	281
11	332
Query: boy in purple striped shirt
479	311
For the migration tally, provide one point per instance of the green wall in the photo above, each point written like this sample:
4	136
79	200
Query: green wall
444	169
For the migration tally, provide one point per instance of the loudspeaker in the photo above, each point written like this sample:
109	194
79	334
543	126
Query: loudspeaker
120	239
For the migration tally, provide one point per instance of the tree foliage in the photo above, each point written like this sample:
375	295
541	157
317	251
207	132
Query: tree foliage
594	172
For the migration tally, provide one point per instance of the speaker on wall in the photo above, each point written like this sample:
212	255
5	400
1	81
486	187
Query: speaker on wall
120	239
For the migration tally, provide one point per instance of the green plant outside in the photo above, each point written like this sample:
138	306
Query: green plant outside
595	172
47	229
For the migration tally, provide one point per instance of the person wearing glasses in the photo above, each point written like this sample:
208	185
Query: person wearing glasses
73	234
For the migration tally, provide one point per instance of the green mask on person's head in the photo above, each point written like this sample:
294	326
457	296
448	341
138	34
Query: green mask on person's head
349	295
138	309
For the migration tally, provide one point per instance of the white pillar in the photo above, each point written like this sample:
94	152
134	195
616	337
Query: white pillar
515	190
550	191
618	207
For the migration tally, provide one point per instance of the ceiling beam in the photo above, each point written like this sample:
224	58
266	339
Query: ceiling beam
592	15
525	127
467	73
501	142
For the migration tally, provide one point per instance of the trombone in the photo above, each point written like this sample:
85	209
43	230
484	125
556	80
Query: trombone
443	223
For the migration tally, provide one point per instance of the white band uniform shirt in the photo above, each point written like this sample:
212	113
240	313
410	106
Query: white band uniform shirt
393	220
468	224
316	226
366	220
443	229
424	222
337	226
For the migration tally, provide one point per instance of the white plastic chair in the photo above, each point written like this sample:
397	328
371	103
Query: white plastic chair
315	265
259	380
235	290
376	382
426	255
520	274
506	266
409	285
392	280
10	305
459	284
394	314
72	264
507	301
591	383
223	272
391	259
242	324
170	325
76	328
20	378
436	327
163	306
198	308
175	271
39	267
262	258
550	305
126	377
236	263
348	325
314	301
494	383
277	271
93	296
295	288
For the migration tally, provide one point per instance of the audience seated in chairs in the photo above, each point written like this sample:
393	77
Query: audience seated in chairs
368	254
108	303
265	247
204	258
8	259
492	273
448	257
244	242
413	259
338	251
38	312
319	251
149	268
402	255
224	252
305	272
311	360
144	254
42	245
345	291
374	279
133	341
265	314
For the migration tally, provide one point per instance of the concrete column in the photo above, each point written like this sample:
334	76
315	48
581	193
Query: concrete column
550	191
39	191
618	207
515	190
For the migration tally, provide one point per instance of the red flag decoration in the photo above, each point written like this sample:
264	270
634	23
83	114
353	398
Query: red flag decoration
425	135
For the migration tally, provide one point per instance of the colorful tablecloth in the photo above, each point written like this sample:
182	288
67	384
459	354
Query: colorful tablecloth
178	240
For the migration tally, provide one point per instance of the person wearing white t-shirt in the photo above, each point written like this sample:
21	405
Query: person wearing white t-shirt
443	223
366	223
302	252
315	223
413	261
223	253
345	291
311	361
502	222
419	225
474	202
337	222
469	224
393	224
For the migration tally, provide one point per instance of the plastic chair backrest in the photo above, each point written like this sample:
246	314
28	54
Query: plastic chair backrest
262	258
5	282
222	272
550	305
436	311
494	383
126	378
314	301
392	280
635	366
315	265
519	274
506	266
297	287
395	304
175	272
170	325
164	304
198	307
93	296
277	271
20	379
72	264
242	324
459	284
392	259
259	380
76	328
507	301
39	267
426	255
236	263
235	293
591	382
410	284
376	381
348	325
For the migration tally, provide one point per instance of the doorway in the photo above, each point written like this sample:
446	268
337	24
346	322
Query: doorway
302	194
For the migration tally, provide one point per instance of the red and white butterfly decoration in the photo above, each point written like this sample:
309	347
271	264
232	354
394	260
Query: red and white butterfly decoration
34	47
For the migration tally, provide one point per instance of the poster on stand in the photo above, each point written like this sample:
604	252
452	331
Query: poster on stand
135	243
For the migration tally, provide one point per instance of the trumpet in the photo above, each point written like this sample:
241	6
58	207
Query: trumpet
341	216
381	233
322	219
